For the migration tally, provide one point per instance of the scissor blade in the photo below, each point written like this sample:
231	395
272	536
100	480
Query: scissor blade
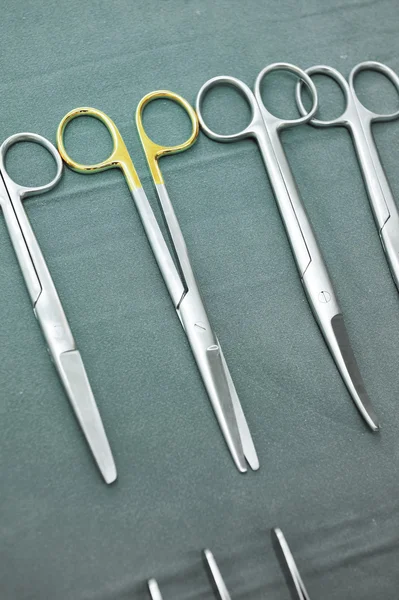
293	570
207	354
73	374
328	314
245	434
205	347
216	576
154	590
343	354
224	406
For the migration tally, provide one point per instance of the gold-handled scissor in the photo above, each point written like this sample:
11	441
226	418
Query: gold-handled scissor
178	276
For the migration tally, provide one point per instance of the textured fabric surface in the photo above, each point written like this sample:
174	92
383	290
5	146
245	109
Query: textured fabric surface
329	483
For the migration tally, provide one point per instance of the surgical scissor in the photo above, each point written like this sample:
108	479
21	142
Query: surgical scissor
219	585
47	306
358	120
265	128
178	275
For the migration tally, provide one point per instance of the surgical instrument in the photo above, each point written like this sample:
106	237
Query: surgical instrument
47	305
265	129
179	278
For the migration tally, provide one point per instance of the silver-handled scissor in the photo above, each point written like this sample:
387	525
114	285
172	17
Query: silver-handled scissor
358	120
47	306
176	270
265	129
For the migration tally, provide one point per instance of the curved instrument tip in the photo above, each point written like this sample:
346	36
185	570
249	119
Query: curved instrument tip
374	426
342	352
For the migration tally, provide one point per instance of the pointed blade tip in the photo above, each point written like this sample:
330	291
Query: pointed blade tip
370	417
